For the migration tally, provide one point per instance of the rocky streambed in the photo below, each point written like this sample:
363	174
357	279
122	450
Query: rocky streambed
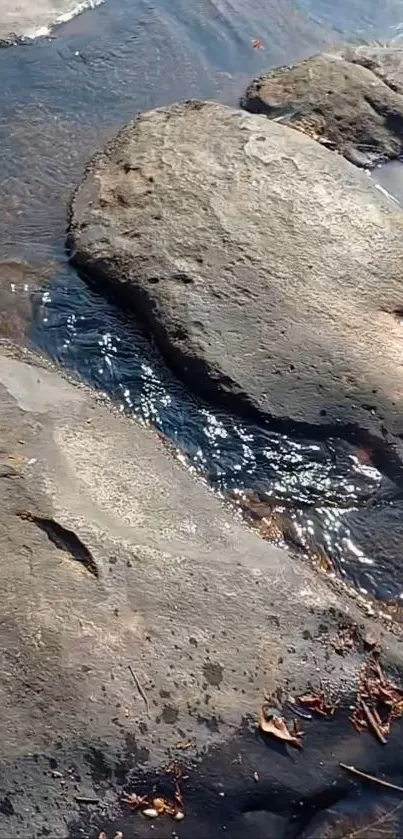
143	624
269	271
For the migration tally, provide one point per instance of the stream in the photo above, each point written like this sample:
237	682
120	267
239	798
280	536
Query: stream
61	98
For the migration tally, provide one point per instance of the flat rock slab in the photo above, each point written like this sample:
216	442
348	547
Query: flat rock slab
351	101
119	569
268	268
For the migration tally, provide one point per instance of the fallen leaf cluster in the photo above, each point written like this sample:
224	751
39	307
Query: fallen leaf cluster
379	702
272	723
319	703
346	639
152	806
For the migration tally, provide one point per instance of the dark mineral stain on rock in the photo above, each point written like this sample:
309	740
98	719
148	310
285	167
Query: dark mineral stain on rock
99	766
164	694
169	714
6	807
137	754
213	673
211	723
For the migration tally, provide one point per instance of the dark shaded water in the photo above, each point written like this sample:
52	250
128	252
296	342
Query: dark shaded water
60	98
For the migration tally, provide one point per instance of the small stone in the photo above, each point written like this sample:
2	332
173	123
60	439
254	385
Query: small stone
150	813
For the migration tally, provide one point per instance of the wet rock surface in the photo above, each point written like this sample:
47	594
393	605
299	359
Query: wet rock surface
268	268
21	289
123	571
351	101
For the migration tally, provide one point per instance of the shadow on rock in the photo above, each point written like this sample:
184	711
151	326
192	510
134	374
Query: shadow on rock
251	784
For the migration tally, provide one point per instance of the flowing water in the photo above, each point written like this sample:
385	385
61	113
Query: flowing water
60	98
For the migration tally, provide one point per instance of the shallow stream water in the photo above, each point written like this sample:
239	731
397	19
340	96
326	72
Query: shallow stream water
60	98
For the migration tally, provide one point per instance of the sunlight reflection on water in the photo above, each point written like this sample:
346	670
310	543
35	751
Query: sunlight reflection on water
294	490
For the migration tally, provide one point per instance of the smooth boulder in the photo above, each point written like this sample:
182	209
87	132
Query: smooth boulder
268	268
350	101
143	624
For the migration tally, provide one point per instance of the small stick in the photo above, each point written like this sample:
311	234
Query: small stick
379	671
376	716
373	723
83	799
140	689
299	712
370	777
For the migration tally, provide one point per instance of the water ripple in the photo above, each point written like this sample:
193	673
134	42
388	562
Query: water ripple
300	491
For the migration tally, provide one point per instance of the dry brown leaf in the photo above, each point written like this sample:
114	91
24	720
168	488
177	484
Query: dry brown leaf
319	703
186	744
162	805
134	800
277	727
379	701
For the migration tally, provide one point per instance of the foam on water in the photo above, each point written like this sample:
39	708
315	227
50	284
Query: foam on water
74	11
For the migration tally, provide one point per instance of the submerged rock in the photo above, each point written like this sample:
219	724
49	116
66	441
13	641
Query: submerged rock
268	268
20	297
351	101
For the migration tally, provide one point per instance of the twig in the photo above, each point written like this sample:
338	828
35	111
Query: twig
84	799
370	777
373	723
299	712
376	823
140	689
379	671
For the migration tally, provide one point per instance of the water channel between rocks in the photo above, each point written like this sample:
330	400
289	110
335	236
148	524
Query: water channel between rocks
61	98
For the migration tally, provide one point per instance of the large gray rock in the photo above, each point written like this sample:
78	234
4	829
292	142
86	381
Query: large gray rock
268	268
352	101
117	565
